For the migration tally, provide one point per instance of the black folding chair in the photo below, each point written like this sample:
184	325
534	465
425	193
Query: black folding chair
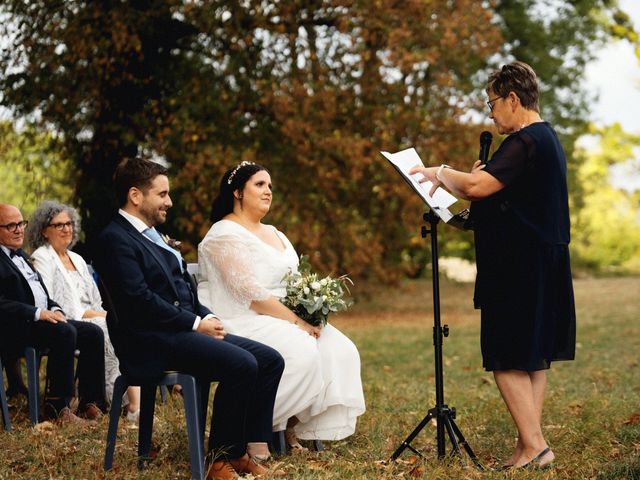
195	405
3	400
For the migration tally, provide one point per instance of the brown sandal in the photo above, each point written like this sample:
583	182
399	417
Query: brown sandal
292	441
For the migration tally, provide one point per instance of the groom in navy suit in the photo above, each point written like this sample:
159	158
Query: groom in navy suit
162	325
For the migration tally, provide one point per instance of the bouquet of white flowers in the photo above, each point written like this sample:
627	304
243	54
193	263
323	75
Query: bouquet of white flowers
312	298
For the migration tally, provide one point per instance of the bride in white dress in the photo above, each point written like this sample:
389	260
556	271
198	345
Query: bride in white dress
241	263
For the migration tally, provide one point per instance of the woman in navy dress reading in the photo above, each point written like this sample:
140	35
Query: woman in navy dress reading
524	289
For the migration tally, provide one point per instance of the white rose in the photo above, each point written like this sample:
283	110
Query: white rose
315	285
306	290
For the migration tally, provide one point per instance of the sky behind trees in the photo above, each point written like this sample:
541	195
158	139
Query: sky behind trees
616	76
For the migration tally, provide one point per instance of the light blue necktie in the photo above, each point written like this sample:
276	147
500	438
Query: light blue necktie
155	237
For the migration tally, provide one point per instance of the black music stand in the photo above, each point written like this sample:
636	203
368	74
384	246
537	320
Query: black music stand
444	415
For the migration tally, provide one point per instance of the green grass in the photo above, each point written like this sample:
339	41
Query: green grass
589	413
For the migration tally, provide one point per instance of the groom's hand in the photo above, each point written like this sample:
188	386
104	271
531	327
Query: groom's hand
212	326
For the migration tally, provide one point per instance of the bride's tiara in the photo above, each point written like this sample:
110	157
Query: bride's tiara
244	163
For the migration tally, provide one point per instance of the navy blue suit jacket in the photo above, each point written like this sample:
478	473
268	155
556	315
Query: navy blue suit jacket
151	297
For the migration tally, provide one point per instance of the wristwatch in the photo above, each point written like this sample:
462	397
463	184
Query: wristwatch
439	171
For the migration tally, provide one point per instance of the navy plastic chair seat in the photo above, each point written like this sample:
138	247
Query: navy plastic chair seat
3	400
32	357
195	405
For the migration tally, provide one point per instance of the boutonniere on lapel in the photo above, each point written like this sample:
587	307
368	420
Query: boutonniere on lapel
172	242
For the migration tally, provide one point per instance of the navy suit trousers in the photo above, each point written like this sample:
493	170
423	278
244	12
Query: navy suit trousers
61	340
248	373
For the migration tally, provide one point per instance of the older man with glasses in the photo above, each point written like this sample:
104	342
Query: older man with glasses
28	317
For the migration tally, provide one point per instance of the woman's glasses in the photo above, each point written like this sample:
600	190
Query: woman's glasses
61	226
492	101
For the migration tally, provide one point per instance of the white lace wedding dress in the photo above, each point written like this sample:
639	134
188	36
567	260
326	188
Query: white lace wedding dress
321	382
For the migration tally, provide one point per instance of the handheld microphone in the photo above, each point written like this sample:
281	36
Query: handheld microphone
485	143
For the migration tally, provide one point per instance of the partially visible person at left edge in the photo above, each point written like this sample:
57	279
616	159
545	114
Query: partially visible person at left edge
31	318
520	213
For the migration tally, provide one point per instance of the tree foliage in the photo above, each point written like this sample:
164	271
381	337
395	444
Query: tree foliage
312	89
33	168
606	219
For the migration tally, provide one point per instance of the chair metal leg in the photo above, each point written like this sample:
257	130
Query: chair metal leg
3	400
119	388
279	443
193	414
33	366
318	445
147	409
163	393
203	392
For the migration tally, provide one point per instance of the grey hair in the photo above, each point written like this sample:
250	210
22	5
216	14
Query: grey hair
41	219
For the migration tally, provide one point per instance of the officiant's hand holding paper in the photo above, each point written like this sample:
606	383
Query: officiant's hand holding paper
438	199
428	174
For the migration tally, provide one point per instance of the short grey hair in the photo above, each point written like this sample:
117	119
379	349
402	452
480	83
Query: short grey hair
517	77
41	219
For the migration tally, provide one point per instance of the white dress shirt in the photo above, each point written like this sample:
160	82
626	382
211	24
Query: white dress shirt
40	300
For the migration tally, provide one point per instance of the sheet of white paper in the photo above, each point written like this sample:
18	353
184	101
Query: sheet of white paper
441	200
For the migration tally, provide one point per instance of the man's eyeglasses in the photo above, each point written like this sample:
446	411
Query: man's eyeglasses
61	226
492	101
13	227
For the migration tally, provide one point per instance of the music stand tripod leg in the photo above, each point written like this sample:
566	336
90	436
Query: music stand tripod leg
412	435
442	413
452	436
462	441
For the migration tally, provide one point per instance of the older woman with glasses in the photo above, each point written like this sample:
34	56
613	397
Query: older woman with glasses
524	289
53	230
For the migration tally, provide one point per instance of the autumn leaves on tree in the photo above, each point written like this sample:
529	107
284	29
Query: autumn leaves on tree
312	89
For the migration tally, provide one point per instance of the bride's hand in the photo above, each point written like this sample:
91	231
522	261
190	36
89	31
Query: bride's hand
310	329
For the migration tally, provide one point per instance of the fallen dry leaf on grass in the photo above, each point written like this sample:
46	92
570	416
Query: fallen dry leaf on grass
316	465
410	460
633	419
417	471
43	427
575	408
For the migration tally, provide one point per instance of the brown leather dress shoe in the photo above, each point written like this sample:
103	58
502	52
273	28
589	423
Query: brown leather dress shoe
221	470
91	412
246	464
67	417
